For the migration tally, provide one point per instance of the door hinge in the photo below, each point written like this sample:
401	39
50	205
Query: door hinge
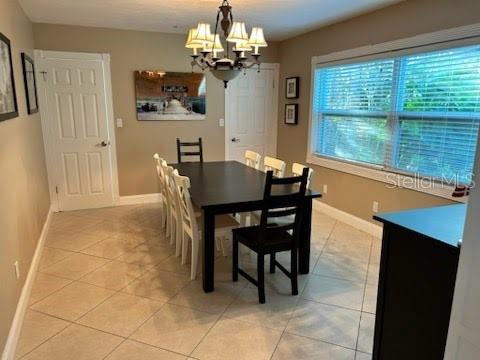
274	84
56	189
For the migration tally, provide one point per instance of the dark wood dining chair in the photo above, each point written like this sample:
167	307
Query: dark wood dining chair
181	153
268	238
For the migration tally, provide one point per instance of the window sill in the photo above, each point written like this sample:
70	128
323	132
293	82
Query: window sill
393	180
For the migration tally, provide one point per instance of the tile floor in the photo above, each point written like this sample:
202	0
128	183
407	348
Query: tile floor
110	287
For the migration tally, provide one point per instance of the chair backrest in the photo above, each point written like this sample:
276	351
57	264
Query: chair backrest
171	189
275	165
181	153
285	204
252	159
185	204
297	170
159	165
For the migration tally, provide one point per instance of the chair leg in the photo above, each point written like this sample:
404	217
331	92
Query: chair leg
173	225
167	223
243	219
184	248
234	260
294	271
261	278
222	245
178	239
272	263
195	250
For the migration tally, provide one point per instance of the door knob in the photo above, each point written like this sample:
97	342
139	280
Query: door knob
235	140
104	143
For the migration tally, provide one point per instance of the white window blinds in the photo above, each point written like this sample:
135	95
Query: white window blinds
416	114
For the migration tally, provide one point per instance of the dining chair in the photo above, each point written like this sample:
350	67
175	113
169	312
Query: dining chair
171	225
277	166
297	170
268	238
161	179
252	159
191	225
176	212
181	153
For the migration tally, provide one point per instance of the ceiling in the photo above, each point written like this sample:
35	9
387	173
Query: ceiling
281	19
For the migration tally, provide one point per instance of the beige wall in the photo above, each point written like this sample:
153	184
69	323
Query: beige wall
347	192
24	200
137	141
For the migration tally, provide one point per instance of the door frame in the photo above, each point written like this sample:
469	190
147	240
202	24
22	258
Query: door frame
272	144
48	136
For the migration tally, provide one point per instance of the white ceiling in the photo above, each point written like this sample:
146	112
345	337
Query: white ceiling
280	18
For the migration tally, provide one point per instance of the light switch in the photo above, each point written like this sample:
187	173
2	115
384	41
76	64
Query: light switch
119	123
221	122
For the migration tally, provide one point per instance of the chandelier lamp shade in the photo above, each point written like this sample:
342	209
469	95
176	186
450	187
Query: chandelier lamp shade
236	45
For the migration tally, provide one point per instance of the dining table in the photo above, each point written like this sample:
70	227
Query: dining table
228	187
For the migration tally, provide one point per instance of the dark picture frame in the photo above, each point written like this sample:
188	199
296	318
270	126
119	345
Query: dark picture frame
291	114
292	86
8	96
29	80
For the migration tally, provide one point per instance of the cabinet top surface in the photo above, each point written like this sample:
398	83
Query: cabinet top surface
443	223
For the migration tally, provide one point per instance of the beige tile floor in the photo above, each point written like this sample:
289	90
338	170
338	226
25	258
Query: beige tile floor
110	287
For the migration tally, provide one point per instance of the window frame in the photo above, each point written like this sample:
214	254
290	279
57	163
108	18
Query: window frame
462	36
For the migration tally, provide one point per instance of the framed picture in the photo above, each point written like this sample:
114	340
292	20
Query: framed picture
8	98
291	114
30	84
292	88
170	96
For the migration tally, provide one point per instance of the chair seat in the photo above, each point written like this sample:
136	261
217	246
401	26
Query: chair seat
276	240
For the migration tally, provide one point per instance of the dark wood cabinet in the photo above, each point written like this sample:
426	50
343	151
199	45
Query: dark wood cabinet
417	279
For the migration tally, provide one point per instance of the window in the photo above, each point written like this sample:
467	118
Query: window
412	114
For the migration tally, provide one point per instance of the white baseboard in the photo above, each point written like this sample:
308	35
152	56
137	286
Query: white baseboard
139	199
356	222
22	305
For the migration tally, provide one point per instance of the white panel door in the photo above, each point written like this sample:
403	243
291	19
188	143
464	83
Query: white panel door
74	92
251	117
463	341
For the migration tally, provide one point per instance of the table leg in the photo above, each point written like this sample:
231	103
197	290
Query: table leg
304	247
208	258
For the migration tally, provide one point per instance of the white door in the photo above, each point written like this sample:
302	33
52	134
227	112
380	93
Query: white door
78	143
463	341
251	114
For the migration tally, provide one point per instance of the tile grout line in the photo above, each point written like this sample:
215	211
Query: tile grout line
301	293
363	298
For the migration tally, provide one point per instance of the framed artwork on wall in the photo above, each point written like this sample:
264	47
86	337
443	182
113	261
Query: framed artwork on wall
170	96
30	84
291	114
8	97
292	88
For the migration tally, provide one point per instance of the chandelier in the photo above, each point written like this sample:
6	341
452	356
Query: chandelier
237	42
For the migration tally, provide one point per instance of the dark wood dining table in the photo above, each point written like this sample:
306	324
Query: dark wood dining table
227	187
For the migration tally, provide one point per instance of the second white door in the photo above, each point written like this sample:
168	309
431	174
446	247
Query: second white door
251	114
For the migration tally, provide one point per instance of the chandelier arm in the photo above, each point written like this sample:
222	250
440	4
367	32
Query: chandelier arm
215	33
252	64
203	64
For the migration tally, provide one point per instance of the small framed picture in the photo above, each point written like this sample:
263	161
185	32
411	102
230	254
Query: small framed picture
291	114
8	98
30	85
292	88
